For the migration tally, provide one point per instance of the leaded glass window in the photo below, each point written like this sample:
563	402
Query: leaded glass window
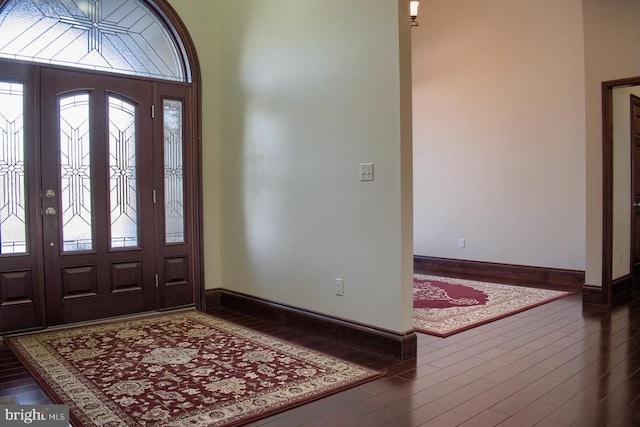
173	172
119	36
122	166
13	227
75	173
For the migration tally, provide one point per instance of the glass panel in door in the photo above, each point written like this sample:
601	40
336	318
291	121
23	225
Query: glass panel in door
122	168
75	173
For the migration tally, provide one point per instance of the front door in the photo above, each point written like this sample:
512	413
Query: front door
97	181
96	197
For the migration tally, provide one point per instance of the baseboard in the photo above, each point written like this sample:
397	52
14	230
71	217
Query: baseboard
401	346
212	298
551	278
592	295
621	288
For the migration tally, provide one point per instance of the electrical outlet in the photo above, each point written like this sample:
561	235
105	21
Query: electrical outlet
339	283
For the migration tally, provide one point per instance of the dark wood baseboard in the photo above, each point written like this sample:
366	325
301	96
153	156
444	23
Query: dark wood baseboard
520	275
621	289
622	292
592	295
212	298
401	346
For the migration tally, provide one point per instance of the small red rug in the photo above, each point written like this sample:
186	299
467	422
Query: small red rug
444	306
180	368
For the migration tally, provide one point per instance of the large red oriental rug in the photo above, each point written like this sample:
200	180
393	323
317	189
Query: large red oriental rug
444	306
182	368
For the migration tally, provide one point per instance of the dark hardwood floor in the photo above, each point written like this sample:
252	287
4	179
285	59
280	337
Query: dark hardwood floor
555	365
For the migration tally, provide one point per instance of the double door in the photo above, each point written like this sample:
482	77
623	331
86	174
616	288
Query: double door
97	214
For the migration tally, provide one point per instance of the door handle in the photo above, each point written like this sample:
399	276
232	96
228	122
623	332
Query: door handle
50	211
50	194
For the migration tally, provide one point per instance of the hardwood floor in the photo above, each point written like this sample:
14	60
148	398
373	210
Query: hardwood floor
17	386
555	365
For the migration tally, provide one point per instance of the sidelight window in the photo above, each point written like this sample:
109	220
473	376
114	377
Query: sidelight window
13	227
173	171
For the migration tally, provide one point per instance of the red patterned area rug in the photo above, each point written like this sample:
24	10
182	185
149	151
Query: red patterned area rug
444	306
178	369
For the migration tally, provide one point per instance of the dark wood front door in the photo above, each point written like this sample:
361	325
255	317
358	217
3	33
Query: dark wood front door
97	183
635	189
97	196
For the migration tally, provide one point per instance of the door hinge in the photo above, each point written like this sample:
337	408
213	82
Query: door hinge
154	197
153	111
156	280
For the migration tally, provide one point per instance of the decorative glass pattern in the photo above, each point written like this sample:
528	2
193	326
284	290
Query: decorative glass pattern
75	173
173	172
119	36
122	167
13	227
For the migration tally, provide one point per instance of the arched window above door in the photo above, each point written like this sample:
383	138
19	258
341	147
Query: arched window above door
117	36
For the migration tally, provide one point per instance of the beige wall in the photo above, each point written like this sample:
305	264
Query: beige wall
510	140
296	94
499	131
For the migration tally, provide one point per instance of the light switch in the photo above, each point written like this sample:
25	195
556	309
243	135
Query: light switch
366	171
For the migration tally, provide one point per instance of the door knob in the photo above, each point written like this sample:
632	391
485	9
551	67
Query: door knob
636	204
50	194
50	211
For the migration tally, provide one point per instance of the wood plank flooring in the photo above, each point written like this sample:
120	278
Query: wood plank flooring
555	365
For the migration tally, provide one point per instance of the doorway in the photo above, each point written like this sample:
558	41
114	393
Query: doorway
619	252
98	204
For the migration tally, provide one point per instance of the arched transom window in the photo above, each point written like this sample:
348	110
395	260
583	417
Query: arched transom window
118	36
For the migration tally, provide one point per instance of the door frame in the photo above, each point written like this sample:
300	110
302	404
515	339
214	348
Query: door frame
611	289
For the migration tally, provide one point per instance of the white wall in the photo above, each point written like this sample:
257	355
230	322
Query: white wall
296	95
499	131
611	52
